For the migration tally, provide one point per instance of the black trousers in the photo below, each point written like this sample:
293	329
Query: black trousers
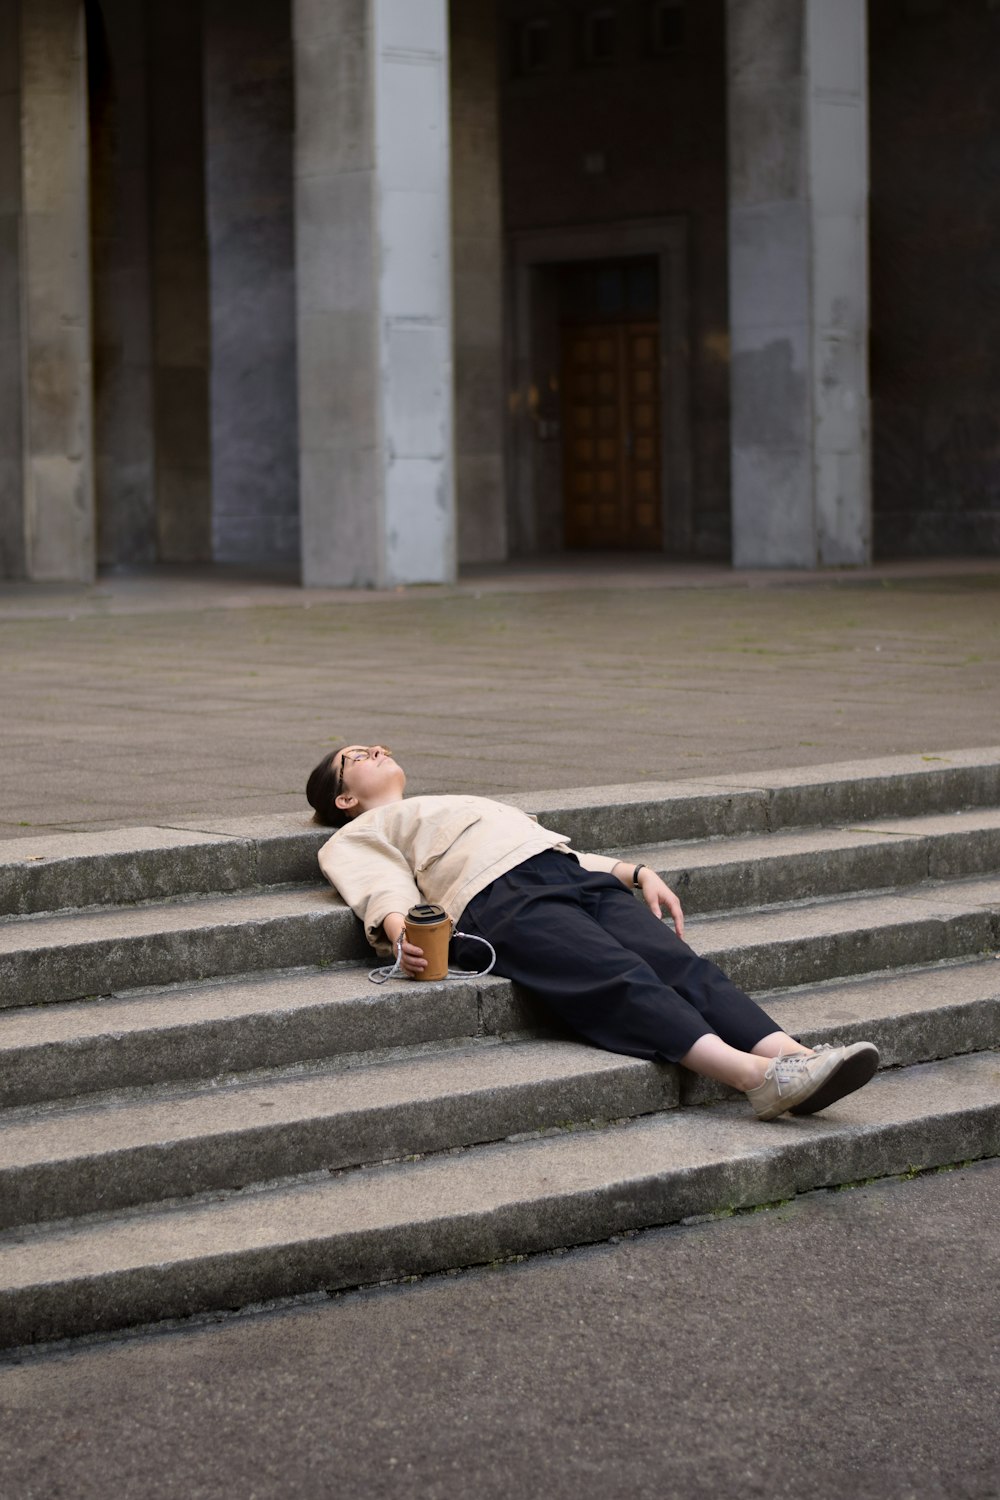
599	961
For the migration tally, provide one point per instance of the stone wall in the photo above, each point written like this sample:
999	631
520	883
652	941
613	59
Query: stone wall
935	253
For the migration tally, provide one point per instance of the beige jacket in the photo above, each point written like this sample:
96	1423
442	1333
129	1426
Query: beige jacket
441	849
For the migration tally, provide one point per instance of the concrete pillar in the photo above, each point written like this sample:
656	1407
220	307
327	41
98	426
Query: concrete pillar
798	278
13	560
249	119
179	281
123	399
477	250
374	291
47	430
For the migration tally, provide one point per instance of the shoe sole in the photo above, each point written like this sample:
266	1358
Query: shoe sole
853	1073
782	1104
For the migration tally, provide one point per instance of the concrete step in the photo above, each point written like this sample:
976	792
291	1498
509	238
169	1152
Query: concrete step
171	1143
103	950
764	870
117	867
50	958
915	1015
804	943
273	1020
235	1026
131	1187
108	1152
368	1225
836	795
263	1021
141	864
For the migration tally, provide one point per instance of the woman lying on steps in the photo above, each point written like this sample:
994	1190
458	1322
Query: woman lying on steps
565	926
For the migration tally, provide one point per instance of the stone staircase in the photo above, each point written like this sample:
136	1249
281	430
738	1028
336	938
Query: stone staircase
205	1104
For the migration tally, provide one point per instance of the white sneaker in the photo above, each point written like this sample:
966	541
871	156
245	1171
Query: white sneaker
802	1082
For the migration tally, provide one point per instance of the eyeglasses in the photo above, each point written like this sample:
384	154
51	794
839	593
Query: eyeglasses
354	757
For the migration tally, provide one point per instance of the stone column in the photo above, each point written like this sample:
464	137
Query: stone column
124	445
180	296
374	291
45	300
798	280
477	249
13	561
248	134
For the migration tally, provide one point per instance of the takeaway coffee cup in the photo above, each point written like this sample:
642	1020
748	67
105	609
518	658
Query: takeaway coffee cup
429	927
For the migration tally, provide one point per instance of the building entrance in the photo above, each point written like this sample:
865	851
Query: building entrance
610	405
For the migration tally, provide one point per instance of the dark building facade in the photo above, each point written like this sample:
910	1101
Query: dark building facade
372	288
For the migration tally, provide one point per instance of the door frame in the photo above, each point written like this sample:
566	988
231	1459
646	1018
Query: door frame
532	253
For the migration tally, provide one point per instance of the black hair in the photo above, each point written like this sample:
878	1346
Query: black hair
321	792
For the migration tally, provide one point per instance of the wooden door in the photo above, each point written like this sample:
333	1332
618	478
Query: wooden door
611	435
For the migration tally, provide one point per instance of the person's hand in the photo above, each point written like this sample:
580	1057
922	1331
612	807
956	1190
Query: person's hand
657	895
412	958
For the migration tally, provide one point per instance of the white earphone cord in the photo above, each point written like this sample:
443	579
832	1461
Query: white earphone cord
379	976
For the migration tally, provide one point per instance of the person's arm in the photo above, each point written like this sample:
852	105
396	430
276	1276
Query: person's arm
655	892
411	957
374	879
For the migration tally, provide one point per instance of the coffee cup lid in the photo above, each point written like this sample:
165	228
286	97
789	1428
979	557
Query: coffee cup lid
425	914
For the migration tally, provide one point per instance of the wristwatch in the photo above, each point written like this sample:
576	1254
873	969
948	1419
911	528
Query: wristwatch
635	876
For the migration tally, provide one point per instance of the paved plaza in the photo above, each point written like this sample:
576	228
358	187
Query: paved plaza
163	697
